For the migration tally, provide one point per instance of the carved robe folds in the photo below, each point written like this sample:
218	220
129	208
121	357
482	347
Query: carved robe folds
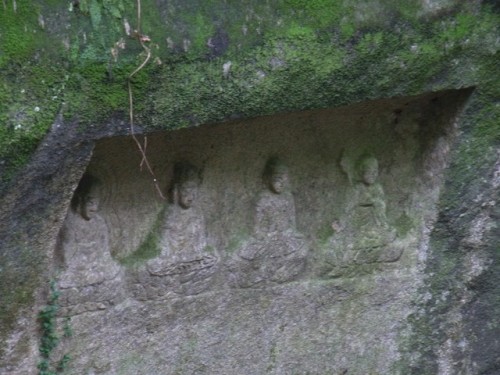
91	280
186	263
276	253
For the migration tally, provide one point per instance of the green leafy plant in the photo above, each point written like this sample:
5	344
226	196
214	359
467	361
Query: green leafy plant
68	331
49	339
63	363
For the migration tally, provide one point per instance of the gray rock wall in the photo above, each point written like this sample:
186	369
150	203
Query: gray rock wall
310	264
396	189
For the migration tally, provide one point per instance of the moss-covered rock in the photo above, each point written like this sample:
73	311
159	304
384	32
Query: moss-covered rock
211	61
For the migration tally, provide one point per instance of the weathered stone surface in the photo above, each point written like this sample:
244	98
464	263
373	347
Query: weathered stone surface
388	270
362	235
295	254
276	253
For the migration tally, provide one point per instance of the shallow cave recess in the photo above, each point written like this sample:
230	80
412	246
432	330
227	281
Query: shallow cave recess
410	137
286	307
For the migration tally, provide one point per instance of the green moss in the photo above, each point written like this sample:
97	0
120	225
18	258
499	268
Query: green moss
475	155
198	92
30	91
295	60
296	31
236	241
312	72
324	13
18	283
149	248
200	33
153	26
288	56
404	224
18	28
325	233
104	88
28	111
481	127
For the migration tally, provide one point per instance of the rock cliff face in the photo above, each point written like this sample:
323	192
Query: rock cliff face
336	211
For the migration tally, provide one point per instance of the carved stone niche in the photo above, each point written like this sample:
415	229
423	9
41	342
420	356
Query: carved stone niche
283	244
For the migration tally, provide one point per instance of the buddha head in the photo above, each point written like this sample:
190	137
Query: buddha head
276	176
86	198
368	168
185	185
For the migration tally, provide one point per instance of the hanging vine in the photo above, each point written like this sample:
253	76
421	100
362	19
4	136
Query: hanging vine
143	40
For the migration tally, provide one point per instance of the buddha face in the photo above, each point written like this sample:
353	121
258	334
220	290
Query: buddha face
278	182
187	193
90	206
370	172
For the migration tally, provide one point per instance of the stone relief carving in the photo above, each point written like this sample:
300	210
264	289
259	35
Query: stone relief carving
91	279
363	234
276	252
186	264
